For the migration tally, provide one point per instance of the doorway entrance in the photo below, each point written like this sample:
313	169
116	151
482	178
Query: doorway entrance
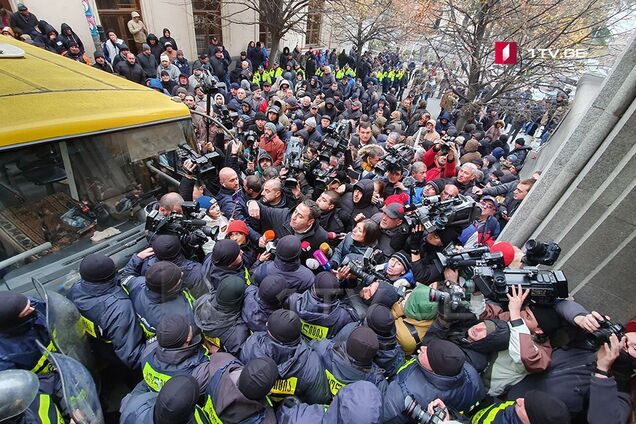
115	14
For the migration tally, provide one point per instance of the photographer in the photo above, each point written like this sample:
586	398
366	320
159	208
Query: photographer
424	252
440	161
486	228
364	234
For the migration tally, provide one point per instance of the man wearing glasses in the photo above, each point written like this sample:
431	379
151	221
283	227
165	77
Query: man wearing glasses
485	229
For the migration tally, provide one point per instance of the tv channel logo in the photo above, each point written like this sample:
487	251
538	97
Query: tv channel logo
505	53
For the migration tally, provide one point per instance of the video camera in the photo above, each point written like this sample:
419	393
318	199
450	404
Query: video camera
602	335
368	262
397	157
450	297
204	163
545	253
434	214
545	286
225	118
250	139
336	138
189	226
468	258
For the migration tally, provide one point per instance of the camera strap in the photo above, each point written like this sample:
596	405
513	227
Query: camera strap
414	333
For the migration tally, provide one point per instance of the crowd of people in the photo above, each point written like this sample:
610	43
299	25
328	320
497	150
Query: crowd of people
318	297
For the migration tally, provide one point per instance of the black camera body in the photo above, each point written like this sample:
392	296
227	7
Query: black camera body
294	159
412	409
361	268
603	334
468	258
336	139
434	214
452	294
250	139
546	287
397	157
204	163
544	253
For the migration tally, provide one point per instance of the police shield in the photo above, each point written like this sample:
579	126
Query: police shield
18	389
78	389
66	327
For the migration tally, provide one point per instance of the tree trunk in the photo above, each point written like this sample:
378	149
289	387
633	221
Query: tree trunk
273	55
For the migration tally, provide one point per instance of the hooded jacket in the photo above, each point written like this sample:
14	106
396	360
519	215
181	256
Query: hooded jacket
159	364
358	402
148	63
70	38
155	47
56	45
255	312
221	325
329	317
298	276
364	206
449	128
297	361
163	40
470	152
459	391
114	322
224	396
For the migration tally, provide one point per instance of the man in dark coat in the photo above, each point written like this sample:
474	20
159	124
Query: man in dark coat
130	69
68	36
287	264
393	229
25	21
147	61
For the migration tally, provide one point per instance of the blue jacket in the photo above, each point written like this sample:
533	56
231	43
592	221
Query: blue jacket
458	392
333	315
359	402
210	275
111	319
232	204
298	361
139	407
343	371
299	277
255	312
150	307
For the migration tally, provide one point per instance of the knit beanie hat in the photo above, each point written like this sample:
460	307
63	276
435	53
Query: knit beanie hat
326	285
437	184
97	268
173	331
403	259
445	358
271	289
362	345
176	401
547	318
257	378
498	152
166	247
418	306
545	409
11	304
225	252
284	327
230	291
380	320
288	248
164	277
270	126
237	226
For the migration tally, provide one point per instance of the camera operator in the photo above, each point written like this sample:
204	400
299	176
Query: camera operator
397	271
368	158
485	229
424	252
393	182
394	231
309	132
168	204
364	234
515	192
303	221
595	371
440	161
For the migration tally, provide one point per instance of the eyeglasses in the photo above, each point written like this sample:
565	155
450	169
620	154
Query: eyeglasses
487	205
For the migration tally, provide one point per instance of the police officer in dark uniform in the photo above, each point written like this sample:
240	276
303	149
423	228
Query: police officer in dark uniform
176	403
321	312
287	264
177	351
351	361
300	372
22	323
237	393
107	311
218	315
225	260
157	294
260	301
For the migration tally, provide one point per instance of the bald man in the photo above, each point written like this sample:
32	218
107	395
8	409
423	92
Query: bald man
170	202
231	198
450	190
273	194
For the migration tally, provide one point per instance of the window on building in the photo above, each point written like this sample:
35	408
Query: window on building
263	33
207	22
314	22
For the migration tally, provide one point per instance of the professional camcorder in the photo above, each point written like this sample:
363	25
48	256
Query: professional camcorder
397	157
434	214
365	269
250	140
451	296
336	138
468	258
204	163
545	253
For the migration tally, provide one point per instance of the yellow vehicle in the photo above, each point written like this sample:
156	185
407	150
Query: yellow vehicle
80	150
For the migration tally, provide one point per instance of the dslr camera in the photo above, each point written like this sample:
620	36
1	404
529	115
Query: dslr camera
204	163
544	253
603	334
365	268
397	157
413	410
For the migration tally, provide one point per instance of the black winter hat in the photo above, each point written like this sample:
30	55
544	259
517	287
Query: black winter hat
97	268
326	285
271	289
225	252
545	409
176	401
547	318
257	378
164	277
437	184
362	345
284	327
230	292
288	248
445	358
173	331
403	259
380	320
260	116
166	247
11	304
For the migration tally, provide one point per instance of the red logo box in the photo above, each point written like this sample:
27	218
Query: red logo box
505	53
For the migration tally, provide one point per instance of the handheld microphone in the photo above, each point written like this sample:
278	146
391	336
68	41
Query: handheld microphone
305	246
322	260
269	235
326	249
312	264
331	235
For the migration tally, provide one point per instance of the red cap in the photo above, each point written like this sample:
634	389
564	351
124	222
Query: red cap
237	226
401	198
506	249
630	326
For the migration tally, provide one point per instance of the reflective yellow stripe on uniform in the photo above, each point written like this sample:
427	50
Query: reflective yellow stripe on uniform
214	340
200	417
154	379
488	415
48	412
43	366
334	384
313	331
406	364
210	412
189	298
247	277
89	328
285	386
